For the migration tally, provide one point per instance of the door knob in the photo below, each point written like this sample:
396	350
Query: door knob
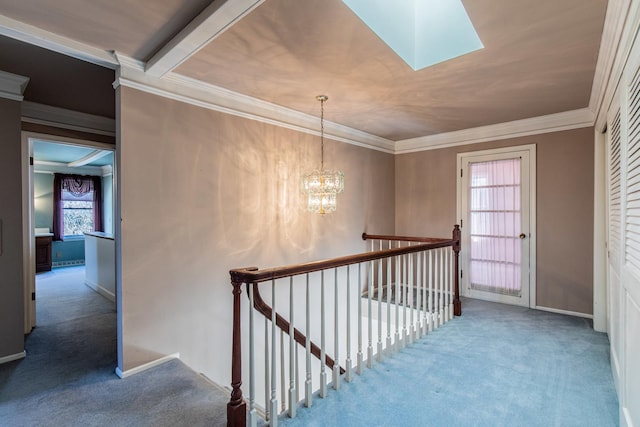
522	235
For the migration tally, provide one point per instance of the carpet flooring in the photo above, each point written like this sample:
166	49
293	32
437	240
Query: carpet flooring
497	365
68	379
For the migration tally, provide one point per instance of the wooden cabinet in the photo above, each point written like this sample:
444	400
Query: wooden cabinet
43	253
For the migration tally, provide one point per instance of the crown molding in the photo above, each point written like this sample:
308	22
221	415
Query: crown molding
214	20
607	71
12	86
630	16
184	89
43	166
54	42
42	114
533	126
89	158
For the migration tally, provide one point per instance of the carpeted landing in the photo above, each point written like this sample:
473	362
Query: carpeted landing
67	378
497	365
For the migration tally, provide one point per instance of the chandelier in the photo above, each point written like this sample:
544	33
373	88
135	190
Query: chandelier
322	186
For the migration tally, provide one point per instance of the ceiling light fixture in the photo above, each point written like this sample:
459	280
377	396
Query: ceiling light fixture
322	186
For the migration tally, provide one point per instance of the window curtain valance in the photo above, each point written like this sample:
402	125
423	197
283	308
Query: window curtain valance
78	186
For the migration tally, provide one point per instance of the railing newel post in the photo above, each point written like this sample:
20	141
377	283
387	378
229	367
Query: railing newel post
457	305
237	407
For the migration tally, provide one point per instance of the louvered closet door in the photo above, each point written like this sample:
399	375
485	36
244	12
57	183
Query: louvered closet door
629	313
614	232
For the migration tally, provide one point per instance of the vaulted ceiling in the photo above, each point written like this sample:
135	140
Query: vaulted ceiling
539	58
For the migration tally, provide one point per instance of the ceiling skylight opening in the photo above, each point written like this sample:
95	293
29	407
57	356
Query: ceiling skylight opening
421	32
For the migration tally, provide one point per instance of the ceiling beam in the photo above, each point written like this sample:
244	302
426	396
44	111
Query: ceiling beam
214	20
91	157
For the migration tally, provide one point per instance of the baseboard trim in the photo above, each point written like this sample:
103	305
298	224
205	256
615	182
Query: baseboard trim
101	290
567	312
12	357
71	263
149	365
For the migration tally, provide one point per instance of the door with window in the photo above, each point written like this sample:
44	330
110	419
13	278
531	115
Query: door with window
496	216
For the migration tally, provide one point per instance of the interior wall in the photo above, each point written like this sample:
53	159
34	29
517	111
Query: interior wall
107	203
203	192
43	200
11	243
426	206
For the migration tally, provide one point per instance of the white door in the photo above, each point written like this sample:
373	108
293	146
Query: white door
495	189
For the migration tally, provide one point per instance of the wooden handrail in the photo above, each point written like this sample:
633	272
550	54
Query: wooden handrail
256	276
266	310
366	236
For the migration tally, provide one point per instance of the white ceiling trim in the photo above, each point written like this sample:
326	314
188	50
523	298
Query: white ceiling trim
12	86
630	16
533	126
214	20
43	166
609	44
184	89
51	41
33	112
89	158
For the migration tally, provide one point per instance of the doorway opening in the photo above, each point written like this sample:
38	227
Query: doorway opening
496	208
74	271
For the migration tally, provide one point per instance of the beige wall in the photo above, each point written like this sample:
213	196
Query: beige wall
426	205
11	290
203	192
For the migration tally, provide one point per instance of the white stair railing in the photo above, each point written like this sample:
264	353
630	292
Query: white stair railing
408	287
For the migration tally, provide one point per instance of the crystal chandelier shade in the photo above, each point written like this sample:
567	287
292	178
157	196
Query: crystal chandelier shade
322	186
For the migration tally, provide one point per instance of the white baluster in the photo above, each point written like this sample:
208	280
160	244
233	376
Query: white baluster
370	320
267	370
441	286
283	388
253	415
404	300
432	325
425	313
308	391
389	288
348	374
297	376
379	355
336	338
397	299
359	355
418	308
447	273
450	269
323	357
410	299
274	347
292	350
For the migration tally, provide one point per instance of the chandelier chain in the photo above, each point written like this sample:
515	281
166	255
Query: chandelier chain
322	133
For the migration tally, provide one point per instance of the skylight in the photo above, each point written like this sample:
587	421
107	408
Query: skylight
421	32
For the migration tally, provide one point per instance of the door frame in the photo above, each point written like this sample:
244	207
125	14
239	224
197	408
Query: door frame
28	211
464	253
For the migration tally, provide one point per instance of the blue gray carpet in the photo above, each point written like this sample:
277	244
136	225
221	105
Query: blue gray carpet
68	376
497	365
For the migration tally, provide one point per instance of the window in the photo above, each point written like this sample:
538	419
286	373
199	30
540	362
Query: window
77	201
77	214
